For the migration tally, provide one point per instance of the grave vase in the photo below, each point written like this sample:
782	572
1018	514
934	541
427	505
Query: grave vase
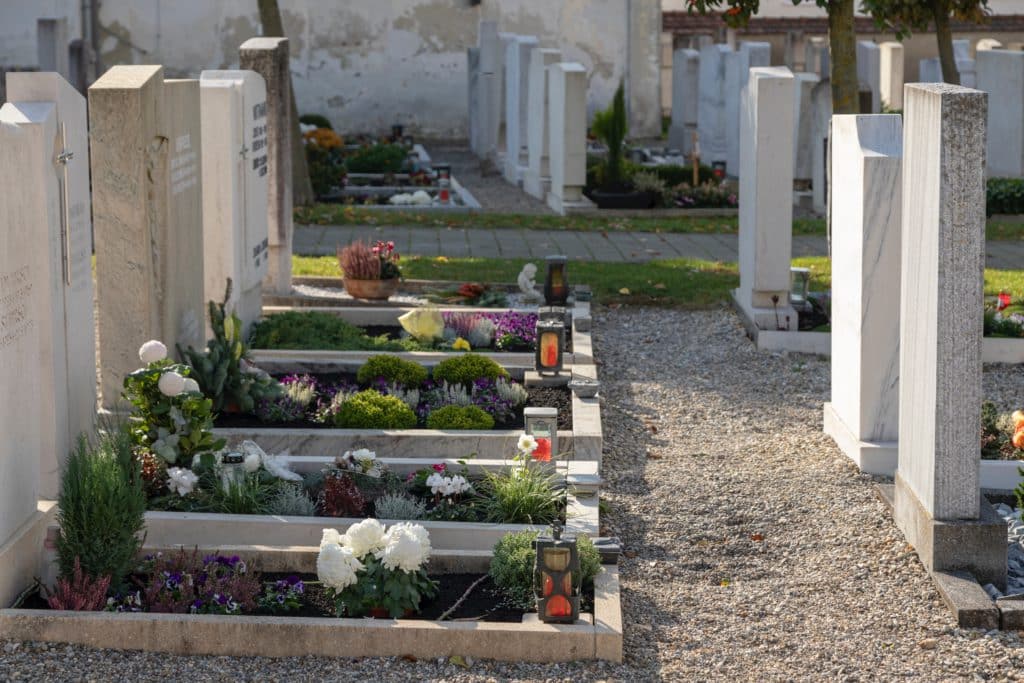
374	290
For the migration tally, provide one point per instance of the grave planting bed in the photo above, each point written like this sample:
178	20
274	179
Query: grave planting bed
596	635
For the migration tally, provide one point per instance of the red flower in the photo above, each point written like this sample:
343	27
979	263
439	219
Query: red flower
440	467
1004	301
543	451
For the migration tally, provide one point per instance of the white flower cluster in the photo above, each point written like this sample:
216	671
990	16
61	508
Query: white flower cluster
448	486
362	460
404	546
181	480
417	198
170	383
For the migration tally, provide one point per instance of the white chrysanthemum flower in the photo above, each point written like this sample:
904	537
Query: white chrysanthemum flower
527	444
191	386
364	537
331	536
402	550
171	383
363	455
420	197
336	566
152	351
181	480
421	534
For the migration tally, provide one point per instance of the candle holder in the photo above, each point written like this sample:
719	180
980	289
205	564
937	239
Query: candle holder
556	286
542	425
550	342
799	286
232	470
557	571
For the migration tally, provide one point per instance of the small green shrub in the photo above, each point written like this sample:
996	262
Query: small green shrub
101	509
1005	195
645	181
377	159
403	372
370	409
512	567
305	330
460	417
468	368
674	175
318	120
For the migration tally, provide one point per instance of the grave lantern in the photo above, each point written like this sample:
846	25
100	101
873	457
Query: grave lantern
557	572
542	425
232	470
444	182
555	313
799	285
396	132
550	341
556	286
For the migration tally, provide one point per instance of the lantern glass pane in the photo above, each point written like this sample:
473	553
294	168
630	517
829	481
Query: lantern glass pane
556	559
549	349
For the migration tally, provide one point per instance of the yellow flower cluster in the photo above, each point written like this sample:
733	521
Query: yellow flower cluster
324	138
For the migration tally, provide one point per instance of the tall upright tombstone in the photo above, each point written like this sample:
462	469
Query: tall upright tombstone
869	71
537	178
712	129
890	81
235	242
52	45
685	98
803	126
938	504
145	138
929	70
517	74
269	58
490	89
816	57
30	206
766	199
863	416
567	101
67	335
737	73
1001	75
821	104
473	90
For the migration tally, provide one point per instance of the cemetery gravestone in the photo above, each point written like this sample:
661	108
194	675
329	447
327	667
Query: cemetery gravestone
473	73
27	134
567	99
685	97
517	73
821	104
537	178
234	120
869	70
890	83
269	58
803	126
67	335
711	121
863	416
52	45
816	57
490	89
938	505
1001	75
145	141
766	204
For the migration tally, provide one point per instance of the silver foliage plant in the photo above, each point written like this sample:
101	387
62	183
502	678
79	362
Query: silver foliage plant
399	506
512	392
410	397
291	501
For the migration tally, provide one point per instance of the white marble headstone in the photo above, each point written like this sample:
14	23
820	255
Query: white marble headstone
537	178
567	99
737	73
685	98
1001	75
712	129
517	73
235	184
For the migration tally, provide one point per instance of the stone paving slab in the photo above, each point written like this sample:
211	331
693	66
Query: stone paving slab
611	246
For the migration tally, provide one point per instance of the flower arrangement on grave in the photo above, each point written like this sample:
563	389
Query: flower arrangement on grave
171	419
324	138
370	272
470	294
1004	317
376	571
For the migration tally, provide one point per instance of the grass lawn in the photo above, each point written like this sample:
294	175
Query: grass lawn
682	283
337	214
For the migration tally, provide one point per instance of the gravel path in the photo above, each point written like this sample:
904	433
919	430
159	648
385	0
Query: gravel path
754	549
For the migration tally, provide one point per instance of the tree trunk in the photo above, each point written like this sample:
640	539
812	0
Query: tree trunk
302	189
842	46
944	37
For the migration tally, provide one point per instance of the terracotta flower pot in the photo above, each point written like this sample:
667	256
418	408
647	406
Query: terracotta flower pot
375	290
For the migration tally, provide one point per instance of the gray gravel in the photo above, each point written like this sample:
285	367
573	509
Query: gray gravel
755	550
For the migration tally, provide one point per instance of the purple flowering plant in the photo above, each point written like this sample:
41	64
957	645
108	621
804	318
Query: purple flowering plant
283	595
184	583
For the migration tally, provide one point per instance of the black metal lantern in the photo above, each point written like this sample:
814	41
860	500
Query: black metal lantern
396	132
550	342
556	286
556	572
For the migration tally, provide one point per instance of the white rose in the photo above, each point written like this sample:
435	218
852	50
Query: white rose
252	462
171	383
336	566
152	351
181	480
527	444
191	386
402	550
364	537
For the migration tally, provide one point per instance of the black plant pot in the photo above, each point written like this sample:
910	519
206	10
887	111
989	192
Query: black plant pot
631	199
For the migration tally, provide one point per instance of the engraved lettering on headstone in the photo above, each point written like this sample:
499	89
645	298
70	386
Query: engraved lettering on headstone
15	313
183	165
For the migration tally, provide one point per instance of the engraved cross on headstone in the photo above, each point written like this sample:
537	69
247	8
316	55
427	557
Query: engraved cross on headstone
63	157
243	152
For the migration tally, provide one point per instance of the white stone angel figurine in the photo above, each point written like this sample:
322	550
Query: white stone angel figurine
528	283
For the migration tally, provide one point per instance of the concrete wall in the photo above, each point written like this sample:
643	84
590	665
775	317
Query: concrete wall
367	64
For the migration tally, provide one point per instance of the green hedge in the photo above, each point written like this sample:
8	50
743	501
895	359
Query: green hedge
1005	195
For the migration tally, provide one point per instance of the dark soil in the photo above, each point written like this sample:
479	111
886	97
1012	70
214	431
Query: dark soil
552	397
